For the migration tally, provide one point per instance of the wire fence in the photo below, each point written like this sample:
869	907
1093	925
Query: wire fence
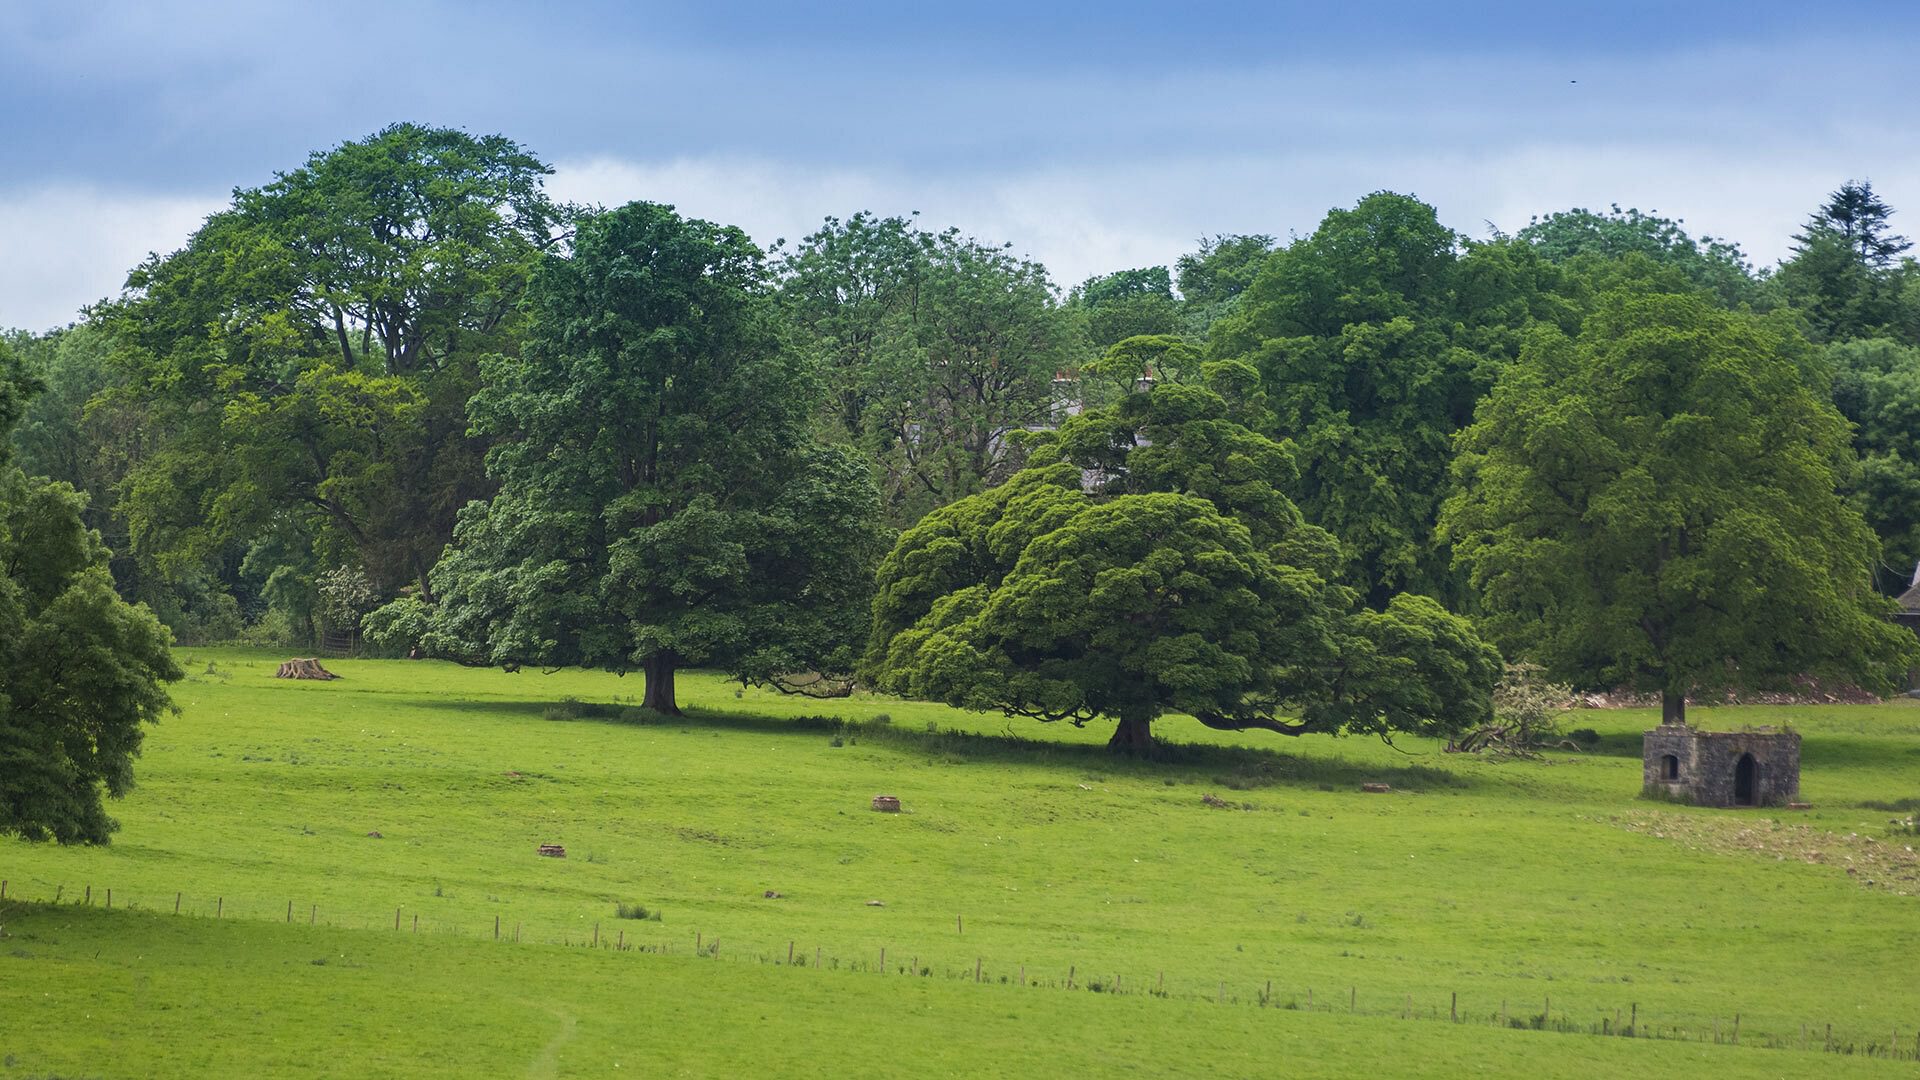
638	934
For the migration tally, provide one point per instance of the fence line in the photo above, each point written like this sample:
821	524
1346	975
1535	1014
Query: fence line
1399	1005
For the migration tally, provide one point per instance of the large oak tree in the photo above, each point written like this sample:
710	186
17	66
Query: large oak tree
662	500
1145	561
1653	503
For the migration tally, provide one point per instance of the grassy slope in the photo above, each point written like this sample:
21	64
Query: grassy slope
1498	882
126	994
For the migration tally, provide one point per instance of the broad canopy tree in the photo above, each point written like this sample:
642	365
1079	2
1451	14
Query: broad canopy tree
81	671
662	501
311	350
1653	503
938	347
1144	562
1374	337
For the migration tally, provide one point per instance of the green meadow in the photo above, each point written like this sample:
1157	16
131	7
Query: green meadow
1238	908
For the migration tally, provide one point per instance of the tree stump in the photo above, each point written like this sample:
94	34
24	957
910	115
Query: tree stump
308	668
886	804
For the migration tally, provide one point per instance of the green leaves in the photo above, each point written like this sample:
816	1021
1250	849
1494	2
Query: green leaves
1373	338
1653	503
1144	562
80	670
311	351
661	500
936	347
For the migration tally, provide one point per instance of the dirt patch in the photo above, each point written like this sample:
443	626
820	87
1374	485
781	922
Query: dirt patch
1889	864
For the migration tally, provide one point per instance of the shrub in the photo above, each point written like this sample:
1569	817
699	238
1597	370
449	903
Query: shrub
624	910
396	628
1527	713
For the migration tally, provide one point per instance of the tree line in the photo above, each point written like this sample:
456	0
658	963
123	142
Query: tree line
1313	485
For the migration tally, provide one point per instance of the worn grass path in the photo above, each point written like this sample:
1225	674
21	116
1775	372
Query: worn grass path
1518	883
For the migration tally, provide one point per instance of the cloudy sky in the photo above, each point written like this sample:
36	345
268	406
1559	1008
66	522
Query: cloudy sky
1091	136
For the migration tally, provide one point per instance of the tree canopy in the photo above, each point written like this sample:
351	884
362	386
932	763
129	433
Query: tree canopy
1373	339
81	671
938	347
1653	503
311	351
1145	562
662	501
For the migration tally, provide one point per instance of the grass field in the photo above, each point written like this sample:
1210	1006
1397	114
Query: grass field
1025	850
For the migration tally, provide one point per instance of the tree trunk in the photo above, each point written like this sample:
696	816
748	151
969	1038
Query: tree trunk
1673	708
659	697
420	574
1132	735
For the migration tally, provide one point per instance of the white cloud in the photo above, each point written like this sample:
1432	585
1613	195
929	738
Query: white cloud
70	246
1090	220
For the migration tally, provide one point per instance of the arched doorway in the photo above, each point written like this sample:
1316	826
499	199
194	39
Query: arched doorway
1745	780
1670	767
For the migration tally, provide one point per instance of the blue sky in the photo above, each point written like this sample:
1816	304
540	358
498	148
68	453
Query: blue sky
1092	137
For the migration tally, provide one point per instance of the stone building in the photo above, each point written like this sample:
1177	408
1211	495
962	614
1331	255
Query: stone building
1722	768
1909	616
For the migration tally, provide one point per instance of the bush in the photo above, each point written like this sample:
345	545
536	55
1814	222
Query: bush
624	910
396	628
276	629
1527	714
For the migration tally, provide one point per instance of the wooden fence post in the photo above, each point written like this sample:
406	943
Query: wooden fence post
109	899
596	935
496	928
219	906
976	969
1453	1010
313	914
396	918
416	922
289	911
176	903
89	899
883	959
3	888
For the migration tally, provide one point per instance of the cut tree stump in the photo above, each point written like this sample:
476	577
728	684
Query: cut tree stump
308	668
1376	789
886	804
554	851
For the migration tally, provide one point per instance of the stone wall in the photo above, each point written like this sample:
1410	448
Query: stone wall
1705	767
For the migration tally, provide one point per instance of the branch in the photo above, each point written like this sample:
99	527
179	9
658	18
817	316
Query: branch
812	684
1222	722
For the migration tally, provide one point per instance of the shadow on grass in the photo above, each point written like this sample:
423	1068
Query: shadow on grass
1238	768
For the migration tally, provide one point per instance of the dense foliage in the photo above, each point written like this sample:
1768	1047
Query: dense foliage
391	392
81	671
1145	562
662	501
1654	503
